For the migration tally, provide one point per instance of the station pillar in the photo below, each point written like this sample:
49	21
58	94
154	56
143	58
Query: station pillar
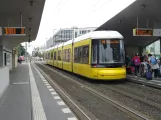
160	45
14	58
142	50
1	56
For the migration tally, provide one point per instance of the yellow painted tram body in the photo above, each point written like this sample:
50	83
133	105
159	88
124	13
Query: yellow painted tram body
67	56
97	55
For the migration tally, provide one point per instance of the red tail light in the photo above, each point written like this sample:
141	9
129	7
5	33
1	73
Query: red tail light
94	66
124	65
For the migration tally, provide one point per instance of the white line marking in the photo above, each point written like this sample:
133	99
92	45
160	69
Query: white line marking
56	97
59	88
149	82
66	110
51	89
142	79
45	82
61	103
18	83
136	79
53	93
157	81
41	77
48	86
74	118
38	111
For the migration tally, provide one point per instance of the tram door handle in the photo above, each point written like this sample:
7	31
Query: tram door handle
80	69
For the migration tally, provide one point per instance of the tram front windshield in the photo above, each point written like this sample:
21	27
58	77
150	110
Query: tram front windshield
108	51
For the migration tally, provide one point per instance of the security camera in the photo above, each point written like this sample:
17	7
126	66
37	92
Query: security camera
30	19
30	29
143	6
31	3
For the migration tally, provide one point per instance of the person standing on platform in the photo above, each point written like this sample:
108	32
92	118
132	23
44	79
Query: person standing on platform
142	57
136	61
154	65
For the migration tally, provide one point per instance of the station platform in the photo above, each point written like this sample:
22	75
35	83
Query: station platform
30	97
155	82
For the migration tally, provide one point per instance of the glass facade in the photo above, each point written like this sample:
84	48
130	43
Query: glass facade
64	35
154	48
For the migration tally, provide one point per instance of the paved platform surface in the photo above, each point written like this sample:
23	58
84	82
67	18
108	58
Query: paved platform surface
156	82
30	97
16	102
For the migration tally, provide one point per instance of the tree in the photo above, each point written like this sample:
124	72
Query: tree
38	52
21	50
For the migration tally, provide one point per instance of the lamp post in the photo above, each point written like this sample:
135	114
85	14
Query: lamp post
54	36
73	33
74	28
26	52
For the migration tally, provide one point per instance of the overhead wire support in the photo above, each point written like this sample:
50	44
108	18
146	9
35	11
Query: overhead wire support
20	19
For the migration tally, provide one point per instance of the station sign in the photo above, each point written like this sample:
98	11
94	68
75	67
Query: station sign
14	31
110	41
157	32
142	32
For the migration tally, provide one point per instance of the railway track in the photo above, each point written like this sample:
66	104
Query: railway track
117	89
133	96
124	108
79	112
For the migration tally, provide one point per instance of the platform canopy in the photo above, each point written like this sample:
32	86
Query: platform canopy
10	11
148	13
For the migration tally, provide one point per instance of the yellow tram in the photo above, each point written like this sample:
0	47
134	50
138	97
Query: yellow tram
98	55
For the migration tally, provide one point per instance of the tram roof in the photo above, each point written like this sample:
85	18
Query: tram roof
92	35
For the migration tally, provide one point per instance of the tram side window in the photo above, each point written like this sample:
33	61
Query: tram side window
51	55
59	55
64	55
77	54
68	57
81	54
54	55
94	51
48	55
85	55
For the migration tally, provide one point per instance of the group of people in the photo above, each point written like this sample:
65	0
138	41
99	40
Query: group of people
144	63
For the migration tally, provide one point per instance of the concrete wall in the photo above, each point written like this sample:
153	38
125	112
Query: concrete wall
4	80
1	56
14	60
131	50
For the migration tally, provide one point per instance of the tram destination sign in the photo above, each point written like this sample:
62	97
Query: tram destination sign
142	32
110	41
14	31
